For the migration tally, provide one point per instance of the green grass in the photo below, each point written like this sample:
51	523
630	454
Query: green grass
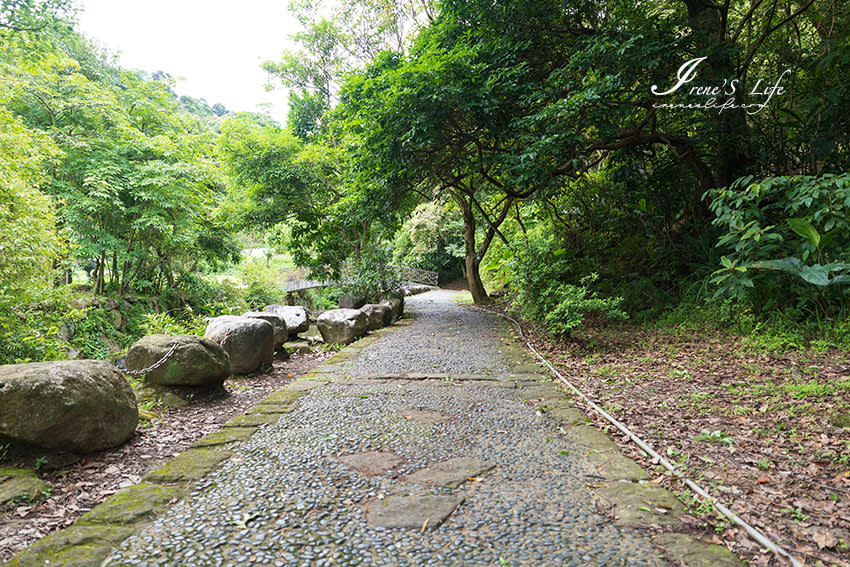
463	298
234	273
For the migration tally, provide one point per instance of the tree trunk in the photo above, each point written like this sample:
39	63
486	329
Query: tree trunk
101	266
472	260
732	133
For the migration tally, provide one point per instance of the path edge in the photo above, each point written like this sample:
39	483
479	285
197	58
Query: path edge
624	488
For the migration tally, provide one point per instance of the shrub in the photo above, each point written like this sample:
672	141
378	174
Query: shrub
787	242
369	277
262	287
540	275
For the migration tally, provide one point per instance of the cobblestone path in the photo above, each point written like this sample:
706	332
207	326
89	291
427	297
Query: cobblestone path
381	465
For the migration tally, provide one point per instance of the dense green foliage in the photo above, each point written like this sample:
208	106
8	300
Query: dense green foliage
539	146
431	238
788	240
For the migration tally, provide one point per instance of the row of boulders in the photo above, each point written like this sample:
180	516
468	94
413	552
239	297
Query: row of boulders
413	289
88	405
346	325
231	345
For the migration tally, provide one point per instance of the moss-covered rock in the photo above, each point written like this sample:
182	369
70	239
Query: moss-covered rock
191	465
21	485
692	553
194	362
77	546
249	342
591	439
133	504
253	420
640	504
81	406
225	436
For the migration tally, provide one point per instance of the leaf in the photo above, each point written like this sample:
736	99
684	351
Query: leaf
827	238
824	539
805	229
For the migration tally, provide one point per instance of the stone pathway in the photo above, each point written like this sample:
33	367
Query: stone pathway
428	444
400	472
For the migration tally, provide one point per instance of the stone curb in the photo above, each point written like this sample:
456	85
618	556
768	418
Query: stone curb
624	488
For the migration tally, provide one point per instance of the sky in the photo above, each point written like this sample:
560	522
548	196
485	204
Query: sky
213	48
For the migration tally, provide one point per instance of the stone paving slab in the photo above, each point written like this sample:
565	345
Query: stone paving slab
423	512
451	473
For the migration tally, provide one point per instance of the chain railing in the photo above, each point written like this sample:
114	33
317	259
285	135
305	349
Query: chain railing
153	366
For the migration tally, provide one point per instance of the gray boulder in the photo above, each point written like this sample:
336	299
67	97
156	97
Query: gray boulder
81	406
294	315
349	301
249	342
342	326
195	361
396	305
277	322
378	316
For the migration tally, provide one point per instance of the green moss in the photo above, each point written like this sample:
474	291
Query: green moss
228	435
76	546
193	464
642	504
591	439
21	485
567	416
267	408
133	504
692	553
252	420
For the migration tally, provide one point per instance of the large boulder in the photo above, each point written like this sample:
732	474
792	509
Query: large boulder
81	406
349	301
278	323
195	361
294	315
396	305
249	342
342	326
378	315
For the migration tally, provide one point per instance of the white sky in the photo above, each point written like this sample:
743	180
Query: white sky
213	48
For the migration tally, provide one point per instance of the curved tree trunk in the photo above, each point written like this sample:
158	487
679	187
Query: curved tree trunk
472	261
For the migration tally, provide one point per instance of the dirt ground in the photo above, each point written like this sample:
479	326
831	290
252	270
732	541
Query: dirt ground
80	483
767	433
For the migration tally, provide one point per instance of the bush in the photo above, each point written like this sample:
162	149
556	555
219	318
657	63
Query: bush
262	286
787	241
30	333
369	277
540	275
205	295
431	239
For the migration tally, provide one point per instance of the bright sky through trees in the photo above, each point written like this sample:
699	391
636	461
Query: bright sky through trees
212	47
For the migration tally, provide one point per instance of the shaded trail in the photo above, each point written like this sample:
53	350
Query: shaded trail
395	471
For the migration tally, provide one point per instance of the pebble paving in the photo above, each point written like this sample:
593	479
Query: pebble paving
286	499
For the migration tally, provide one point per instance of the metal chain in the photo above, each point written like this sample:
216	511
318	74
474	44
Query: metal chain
155	365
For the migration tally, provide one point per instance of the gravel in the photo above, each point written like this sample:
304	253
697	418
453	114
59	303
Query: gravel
445	339
286	500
